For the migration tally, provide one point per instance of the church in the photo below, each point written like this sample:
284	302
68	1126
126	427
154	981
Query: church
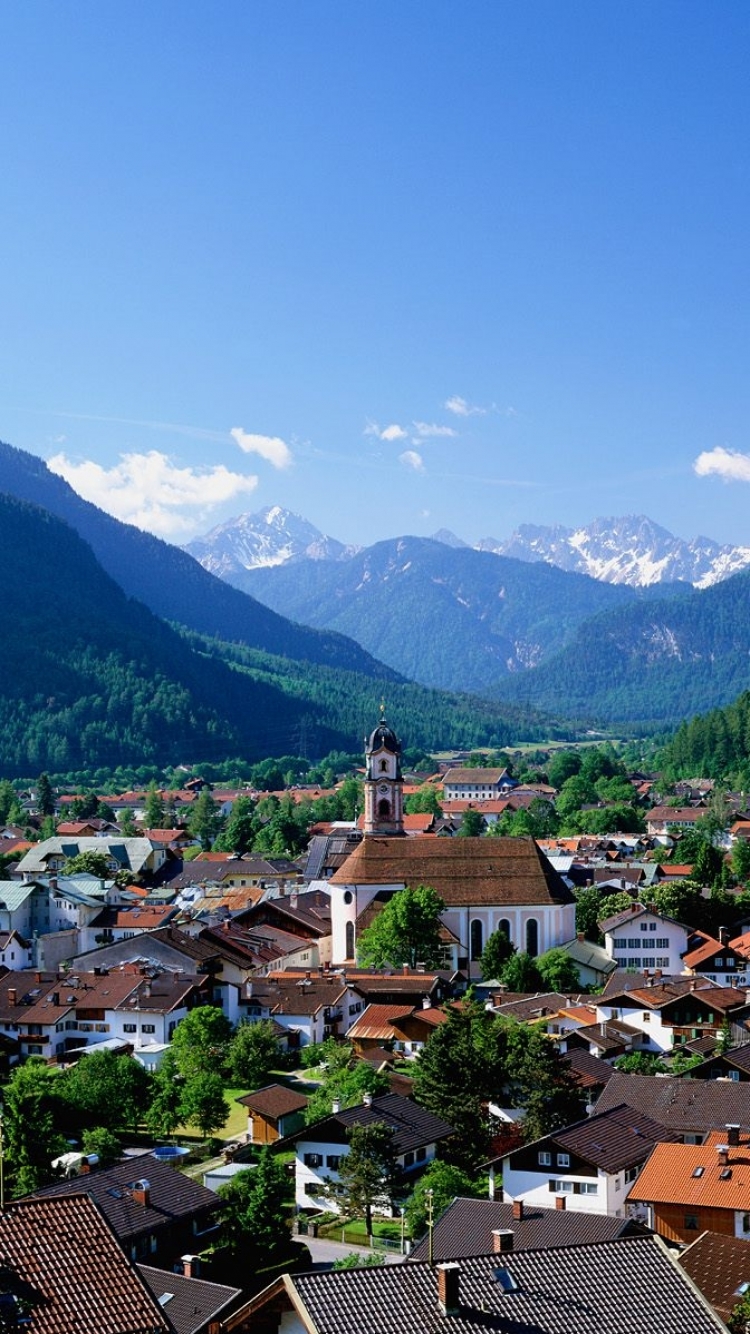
486	883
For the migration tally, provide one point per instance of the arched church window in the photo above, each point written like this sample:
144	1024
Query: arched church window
476	939
532	937
504	926
350	940
384	809
383	766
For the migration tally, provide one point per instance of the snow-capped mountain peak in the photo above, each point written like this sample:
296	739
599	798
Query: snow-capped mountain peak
272	536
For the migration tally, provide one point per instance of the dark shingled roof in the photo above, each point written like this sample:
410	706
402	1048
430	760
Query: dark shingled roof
412	1126
274	1100
587	1070
62	1263
718	1264
613	1140
172	1195
466	872
466	1227
632	1284
684	1105
190	1303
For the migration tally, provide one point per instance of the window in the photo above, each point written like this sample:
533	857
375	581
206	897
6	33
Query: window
589	1188
662	942
746	1222
730	961
313	1160
130	1028
634	963
691	1222
563	1159
644	926
559	1186
652	926
333	1161
504	926
634	944
662	961
408	1160
648	944
532	937
476	939
647	1016
312	1188
350	940
630	1174
420	1155
149	1028
545	1159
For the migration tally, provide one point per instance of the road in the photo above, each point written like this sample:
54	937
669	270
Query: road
324	1252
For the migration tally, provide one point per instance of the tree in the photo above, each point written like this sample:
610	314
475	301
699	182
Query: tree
154	809
459	1069
255	1211
346	1085
472	823
369	1177
127	823
253	1053
165	1109
741	859
203	1103
562	765
241	828
406	930
588	913
640	1063
495	955
425	801
445	1183
108	1090
520	973
558	970
205	819
540	1081
45	797
739	1318
201	1041
104	1144
89	863
30	1134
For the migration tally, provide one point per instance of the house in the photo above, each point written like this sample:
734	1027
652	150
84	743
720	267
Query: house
690	1107
122	922
406	1028
723	960
640	937
671	1011
731	1064
15	951
593	962
272	1113
156	1213
475	1227
660	820
320	1147
63	1270
686	1189
632	1284
137	856
308	1009
461	784
588	1165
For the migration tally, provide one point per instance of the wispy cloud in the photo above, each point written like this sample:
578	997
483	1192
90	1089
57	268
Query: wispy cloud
392	432
411	459
460	408
270	447
152	492
427	430
729	464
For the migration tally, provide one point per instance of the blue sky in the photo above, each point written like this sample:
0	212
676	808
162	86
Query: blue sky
395	266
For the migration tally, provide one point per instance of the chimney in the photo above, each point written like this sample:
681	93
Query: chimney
367	1099
406	970
733	1134
191	1265
723	1154
141	1192
447	1277
426	1003
12	995
518	1209
336	1106
560	1202
693	983
724	935
657	974
55	997
308	975
580	937
502	1240
38	977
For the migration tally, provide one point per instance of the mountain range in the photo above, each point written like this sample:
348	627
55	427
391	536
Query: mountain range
121	650
629	550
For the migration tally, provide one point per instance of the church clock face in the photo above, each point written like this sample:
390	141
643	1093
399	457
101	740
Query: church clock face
383	787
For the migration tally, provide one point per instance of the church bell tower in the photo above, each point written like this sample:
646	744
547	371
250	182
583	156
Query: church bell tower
384	783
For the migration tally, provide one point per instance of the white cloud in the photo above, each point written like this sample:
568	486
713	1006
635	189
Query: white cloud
728	464
270	447
425	430
411	459
152	492
392	432
460	408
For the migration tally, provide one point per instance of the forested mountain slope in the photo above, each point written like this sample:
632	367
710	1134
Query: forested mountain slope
169	581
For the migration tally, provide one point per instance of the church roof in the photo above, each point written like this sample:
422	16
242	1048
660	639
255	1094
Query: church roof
383	737
469	872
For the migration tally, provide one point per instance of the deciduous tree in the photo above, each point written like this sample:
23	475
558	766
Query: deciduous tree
368	1174
201	1041
406	930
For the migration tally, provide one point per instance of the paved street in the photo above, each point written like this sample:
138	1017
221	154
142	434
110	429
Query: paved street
324	1252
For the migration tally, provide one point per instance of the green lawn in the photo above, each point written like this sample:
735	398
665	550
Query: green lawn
236	1123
